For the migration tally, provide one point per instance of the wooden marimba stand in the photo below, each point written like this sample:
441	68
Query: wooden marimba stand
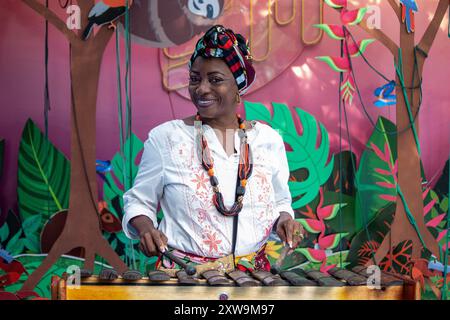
340	284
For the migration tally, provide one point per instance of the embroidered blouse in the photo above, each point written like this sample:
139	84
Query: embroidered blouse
170	173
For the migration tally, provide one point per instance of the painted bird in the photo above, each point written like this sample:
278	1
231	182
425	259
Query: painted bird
386	95
6	256
102	167
408	9
104	12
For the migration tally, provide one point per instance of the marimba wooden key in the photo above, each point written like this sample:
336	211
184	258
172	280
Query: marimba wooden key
339	284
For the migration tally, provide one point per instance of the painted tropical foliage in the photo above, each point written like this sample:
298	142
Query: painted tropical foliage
346	210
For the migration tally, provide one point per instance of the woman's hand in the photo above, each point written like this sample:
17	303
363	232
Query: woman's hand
152	241
289	230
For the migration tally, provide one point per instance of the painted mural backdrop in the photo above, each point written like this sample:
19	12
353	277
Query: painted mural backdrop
361	191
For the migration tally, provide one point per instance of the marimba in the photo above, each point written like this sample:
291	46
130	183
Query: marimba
339	284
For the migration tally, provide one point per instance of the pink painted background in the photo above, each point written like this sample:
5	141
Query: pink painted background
22	85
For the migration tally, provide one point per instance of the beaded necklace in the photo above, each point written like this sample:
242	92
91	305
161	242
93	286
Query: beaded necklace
244	169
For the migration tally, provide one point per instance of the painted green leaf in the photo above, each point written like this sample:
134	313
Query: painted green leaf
114	244
150	264
115	185
444	204
333	240
307	254
31	224
343	166
333	5
32	243
338	258
124	239
32	261
15	244
304	155
43	175
312	225
369	198
4	232
363	46
343	222
441	186
365	242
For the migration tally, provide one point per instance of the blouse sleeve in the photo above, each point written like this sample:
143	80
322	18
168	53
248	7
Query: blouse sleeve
280	179
147	190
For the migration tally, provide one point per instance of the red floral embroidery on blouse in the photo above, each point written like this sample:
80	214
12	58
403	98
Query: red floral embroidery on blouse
201	180
212	242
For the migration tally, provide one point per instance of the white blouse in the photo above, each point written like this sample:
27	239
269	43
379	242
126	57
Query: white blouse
170	173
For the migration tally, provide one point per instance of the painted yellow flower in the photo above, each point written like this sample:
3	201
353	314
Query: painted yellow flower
248	257
272	249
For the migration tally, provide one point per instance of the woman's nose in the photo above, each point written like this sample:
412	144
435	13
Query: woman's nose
203	87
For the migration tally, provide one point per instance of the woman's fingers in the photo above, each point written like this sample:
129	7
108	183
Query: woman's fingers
153	243
164	239
158	241
289	228
298	234
150	245
143	247
281	233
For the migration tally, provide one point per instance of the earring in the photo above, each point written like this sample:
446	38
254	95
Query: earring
238	98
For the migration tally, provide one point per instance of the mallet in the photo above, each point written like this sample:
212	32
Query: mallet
190	270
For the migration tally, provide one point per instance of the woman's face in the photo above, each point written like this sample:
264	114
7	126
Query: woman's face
212	88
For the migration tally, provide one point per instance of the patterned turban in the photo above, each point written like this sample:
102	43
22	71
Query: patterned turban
219	42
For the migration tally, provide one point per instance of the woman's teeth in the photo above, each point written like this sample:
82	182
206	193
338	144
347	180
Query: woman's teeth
205	103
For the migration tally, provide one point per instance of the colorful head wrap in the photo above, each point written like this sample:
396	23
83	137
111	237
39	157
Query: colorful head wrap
219	42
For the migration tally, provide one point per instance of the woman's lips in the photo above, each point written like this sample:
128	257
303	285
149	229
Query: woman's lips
205	103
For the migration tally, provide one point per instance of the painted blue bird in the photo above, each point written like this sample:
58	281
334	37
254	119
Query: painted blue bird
408	9
6	256
104	12
102	166
386	95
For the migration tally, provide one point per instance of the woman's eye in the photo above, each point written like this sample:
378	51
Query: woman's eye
194	79
216	80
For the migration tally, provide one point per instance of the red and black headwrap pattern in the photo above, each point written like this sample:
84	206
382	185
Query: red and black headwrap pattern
219	42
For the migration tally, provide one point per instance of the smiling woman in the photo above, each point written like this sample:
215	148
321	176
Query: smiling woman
216	211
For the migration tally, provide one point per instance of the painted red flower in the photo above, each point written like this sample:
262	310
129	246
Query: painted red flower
262	263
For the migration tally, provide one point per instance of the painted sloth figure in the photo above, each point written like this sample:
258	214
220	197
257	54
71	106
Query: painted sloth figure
164	24
156	23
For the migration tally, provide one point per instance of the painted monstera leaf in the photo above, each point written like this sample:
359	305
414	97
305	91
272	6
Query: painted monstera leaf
43	175
122	175
376	175
305	154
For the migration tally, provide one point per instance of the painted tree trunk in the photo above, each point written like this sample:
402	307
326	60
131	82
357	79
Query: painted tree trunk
82	227
409	172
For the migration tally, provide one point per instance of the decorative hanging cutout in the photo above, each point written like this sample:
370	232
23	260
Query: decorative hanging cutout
105	12
408	9
385	95
351	48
